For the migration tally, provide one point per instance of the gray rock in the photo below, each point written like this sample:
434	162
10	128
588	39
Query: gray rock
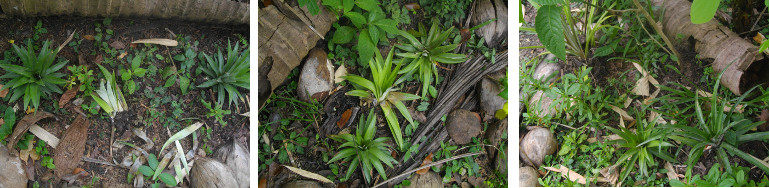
490	99
537	144
428	180
235	156
12	172
528	177
463	125
302	184
209	173
317	76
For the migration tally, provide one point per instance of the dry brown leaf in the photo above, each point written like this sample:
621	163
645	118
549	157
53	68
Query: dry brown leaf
25	154
262	183
628	101
622	113
671	171
4	92
412	6
642	86
88	37
23	125
611	173
308	174
78	170
654	115
567	173
341	71
164	42
759	38
117	45
345	117
764	117
67	96
122	55
605	138
428	160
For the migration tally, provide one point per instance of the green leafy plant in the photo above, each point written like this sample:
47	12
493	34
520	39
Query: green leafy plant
226	76
110	98
448	11
39	30
554	21
718	131
149	171
381	91
642	146
216	111
82	76
135	70
363	150
371	28
7	127
293	142
37	76
715	178
42	151
423	55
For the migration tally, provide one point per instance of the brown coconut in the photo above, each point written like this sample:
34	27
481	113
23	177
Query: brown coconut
537	144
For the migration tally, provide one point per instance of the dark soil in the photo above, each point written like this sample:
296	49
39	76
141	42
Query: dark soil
103	130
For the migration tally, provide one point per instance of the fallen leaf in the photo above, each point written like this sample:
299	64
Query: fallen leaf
642	86
622	113
605	138
428	160
345	117
98	59
44	135
341	71
24	154
117	45
88	37
627	102
263	183
412	6
67	96
671	171
78	170
759	37
4	92
566	173
122	55
308	174
611	173
23	125
656	116
164	42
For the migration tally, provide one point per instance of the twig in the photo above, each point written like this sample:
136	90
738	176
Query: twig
659	30
92	160
66	41
428	166
564	125
649	33
759	19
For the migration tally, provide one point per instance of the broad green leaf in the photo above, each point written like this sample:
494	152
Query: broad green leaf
765	44
136	61
139	72
703	10
171	80
388	25
356	18
549	28
146	171
125	74
603	51
152	160
343	35
167	179
348	4
184	83
130	86
367	5
374	34
546	2
365	48
181	134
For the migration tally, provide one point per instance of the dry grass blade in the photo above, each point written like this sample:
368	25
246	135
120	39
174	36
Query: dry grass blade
308	174
164	42
622	113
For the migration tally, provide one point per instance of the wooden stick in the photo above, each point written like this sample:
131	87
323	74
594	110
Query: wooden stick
427	166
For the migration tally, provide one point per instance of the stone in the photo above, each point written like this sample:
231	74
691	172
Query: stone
428	180
317	76
537	144
528	177
12	172
236	157
207	172
490	99
302	184
494	134
463	125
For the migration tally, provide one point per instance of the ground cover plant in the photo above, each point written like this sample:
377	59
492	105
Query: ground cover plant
629	102
90	106
384	71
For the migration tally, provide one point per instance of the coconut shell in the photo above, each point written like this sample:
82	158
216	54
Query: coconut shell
537	144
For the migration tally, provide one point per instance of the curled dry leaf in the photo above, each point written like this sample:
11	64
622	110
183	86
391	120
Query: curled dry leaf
341	71
611	173
23	125
412	6
122	55
567	173
622	113
605	138
428	160
88	37
759	37
672	175
344	119
67	96
4	92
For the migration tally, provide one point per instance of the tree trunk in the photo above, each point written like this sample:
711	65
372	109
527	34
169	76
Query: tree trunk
212	11
715	41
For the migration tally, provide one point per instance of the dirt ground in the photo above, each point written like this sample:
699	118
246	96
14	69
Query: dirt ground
102	130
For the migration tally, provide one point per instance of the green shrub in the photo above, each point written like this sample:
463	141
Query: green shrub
36	76
642	146
226	75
